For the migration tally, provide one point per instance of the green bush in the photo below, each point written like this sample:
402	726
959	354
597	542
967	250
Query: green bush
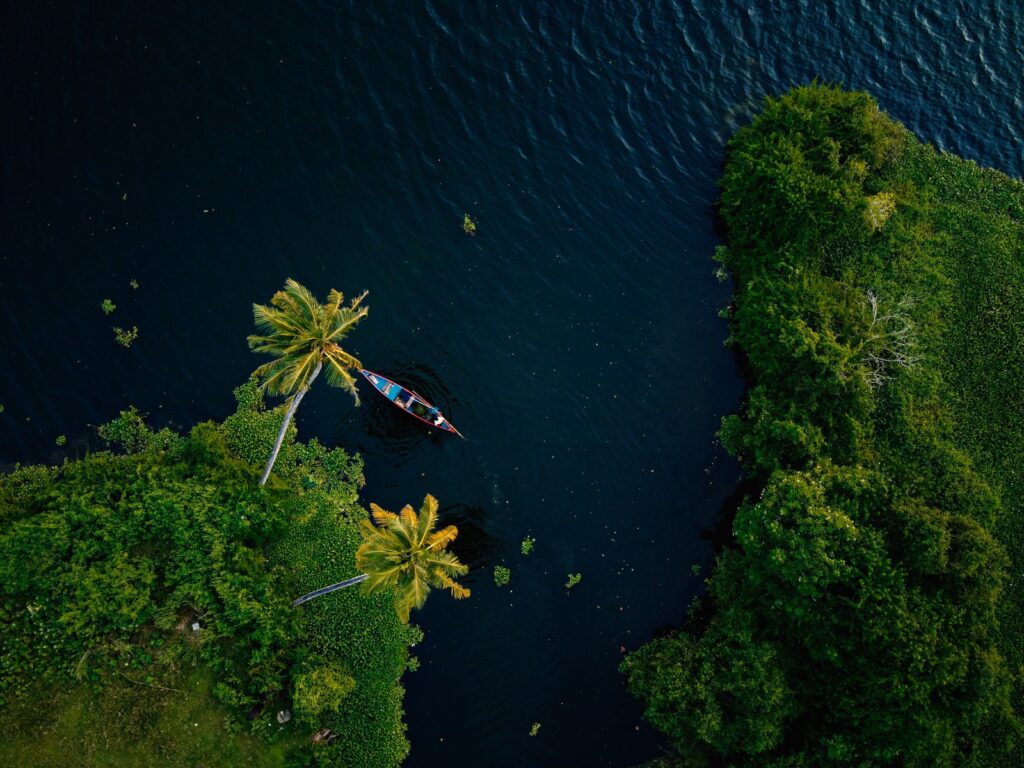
321	689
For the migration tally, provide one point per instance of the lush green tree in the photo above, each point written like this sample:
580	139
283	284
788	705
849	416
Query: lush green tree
303	335
405	552
726	690
798	171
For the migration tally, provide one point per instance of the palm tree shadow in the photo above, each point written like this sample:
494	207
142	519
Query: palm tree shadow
475	546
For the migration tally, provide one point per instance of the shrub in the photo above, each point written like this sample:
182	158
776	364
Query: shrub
321	689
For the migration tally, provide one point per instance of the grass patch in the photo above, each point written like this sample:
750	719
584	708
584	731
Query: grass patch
128	725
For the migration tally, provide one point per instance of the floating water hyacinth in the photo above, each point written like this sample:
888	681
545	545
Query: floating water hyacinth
502	575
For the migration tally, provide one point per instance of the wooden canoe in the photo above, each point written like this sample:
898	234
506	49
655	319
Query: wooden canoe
409	401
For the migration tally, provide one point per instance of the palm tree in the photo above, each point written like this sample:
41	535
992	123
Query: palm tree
404	552
303	334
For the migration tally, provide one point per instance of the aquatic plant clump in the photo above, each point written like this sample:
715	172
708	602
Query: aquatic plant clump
126	337
502	575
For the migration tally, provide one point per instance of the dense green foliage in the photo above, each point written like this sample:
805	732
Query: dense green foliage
859	617
106	562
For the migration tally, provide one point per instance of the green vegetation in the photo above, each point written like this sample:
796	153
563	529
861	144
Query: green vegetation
320	690
468	225
502	575
302	334
106	564
125	338
134	283
526	547
859	618
61	441
406	554
535	729
107	306
127	724
574	579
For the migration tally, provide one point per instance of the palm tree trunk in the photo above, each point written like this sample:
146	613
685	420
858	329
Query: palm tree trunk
334	587
287	420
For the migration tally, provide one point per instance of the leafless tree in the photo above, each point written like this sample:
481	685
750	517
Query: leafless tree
890	341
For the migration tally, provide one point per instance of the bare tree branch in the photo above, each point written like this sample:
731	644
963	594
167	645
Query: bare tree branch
890	340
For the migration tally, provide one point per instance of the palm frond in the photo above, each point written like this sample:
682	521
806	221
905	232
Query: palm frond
418	586
441	539
427	519
448	562
345	321
300	298
383	547
272	376
380	515
403	609
275	320
343	358
358	299
367	530
408	518
337	376
381	580
334	299
458	591
301	370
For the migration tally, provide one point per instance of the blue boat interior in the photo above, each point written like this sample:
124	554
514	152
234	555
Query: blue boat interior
402	397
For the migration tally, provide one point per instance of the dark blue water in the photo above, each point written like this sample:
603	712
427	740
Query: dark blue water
209	154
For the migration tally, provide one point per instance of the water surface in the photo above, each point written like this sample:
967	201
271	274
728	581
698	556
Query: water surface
575	341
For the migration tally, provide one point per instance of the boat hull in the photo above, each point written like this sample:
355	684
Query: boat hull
407	400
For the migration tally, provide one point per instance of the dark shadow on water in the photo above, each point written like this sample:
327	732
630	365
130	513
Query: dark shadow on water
475	546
